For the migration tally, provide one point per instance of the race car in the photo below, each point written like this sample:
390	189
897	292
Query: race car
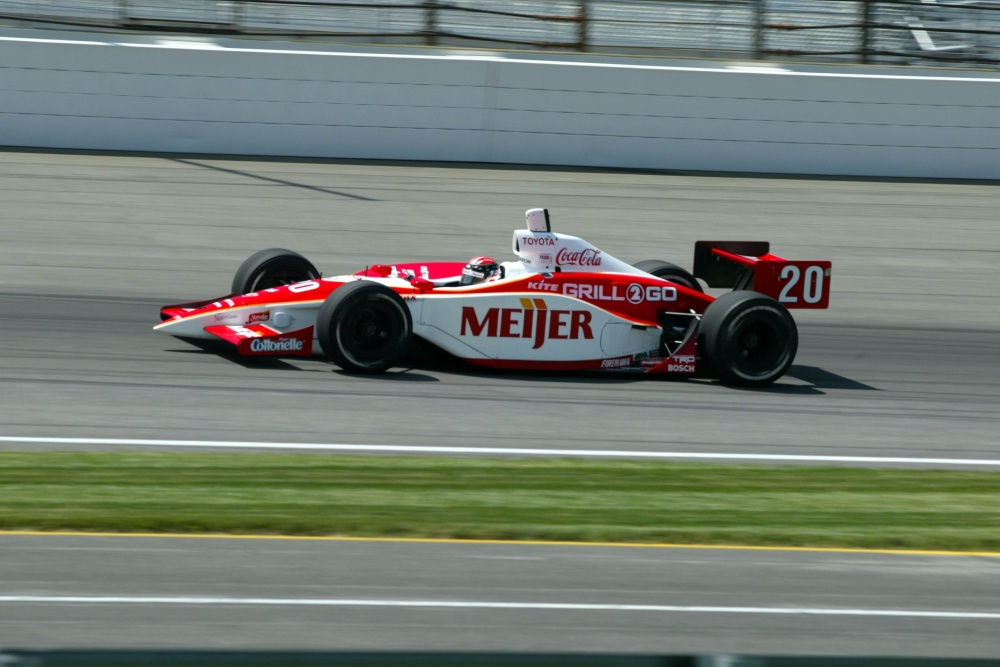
561	304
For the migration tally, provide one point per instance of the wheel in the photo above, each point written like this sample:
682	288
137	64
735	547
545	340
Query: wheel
364	327
272	268
671	272
748	338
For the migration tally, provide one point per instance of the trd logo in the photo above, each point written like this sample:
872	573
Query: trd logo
534	321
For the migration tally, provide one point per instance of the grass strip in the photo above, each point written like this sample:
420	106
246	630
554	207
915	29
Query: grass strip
535	499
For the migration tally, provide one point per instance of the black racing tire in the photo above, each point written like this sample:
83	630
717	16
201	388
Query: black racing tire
671	272
273	267
749	339
364	327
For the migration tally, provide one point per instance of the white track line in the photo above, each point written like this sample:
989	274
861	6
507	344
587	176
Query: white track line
445	604
774	70
506	451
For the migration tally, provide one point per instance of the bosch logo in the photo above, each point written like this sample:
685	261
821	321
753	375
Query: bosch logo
280	345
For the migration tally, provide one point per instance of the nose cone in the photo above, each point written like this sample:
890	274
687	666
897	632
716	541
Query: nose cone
191	326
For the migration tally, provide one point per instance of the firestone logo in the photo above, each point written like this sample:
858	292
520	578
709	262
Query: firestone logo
533	321
588	257
280	345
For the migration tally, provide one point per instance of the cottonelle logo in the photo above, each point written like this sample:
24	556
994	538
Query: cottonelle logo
279	345
533	320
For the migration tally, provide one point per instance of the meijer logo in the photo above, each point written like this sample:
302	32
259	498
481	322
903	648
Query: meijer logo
533	321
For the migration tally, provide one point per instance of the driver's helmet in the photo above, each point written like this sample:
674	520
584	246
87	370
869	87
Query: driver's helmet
479	270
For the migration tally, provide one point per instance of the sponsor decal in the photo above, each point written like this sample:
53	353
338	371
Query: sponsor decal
246	333
681	363
593	292
259	317
588	257
634	293
537	241
637	293
533	321
619	362
276	345
225	317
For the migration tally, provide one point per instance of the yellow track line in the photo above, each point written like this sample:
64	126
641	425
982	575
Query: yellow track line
442	540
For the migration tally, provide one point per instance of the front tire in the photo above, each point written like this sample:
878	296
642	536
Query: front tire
364	327
749	339
273	267
671	272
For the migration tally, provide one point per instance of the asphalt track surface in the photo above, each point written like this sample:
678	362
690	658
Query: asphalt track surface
905	363
157	592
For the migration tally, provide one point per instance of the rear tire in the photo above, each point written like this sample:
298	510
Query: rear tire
749	339
671	272
364	327
273	267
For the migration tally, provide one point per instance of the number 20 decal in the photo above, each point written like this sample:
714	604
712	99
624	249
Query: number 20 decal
812	286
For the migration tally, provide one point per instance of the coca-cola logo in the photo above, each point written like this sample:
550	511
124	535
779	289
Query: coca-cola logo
588	257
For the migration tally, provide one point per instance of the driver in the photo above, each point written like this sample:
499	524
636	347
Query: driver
479	270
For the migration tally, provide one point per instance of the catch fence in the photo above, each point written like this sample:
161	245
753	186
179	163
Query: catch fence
898	32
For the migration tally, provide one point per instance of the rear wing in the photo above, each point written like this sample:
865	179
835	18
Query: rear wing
749	265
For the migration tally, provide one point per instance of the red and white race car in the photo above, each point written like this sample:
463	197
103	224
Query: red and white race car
562	304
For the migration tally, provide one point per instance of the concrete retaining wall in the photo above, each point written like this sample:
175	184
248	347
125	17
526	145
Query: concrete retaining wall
260	98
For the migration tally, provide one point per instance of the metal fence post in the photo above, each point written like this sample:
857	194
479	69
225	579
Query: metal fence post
583	28
758	29
123	11
430	22
236	17
866	13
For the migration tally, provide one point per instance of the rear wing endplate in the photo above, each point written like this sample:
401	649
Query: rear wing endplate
749	265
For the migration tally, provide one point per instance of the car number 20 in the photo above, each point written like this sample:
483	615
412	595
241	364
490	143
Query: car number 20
812	284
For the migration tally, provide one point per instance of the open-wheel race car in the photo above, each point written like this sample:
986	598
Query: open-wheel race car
562	304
